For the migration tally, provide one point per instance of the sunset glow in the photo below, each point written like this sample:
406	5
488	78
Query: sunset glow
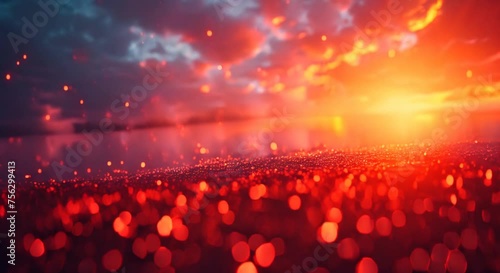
250	136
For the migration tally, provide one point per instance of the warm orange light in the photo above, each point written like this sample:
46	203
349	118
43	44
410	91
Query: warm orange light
203	186
367	265
143	164
127	104
181	200
453	199
223	207
118	225
228	218
264	254
94	208
181	233
18	63
294	202
7	76
25	56
254	193
81	102
277	88
209	33
205	88
334	215
391	53
247	267
449	181
489	174
432	13
125	217
108	163
323	38
273	146
262	190
65	88
47	117
469	74
316	178
278	20
329	231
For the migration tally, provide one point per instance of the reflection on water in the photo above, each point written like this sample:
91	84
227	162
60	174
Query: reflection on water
166	147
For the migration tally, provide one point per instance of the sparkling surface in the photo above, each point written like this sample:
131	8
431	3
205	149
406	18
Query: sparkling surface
381	209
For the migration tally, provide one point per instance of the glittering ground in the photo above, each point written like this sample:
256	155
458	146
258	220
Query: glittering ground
384	209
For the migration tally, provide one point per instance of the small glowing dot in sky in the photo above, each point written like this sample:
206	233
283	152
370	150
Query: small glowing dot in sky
7	76
489	174
469	73
143	164
205	88
209	33
65	88
25	56
274	146
323	38
109	163
81	101
127	104
18	63
203	186
278	20
47	117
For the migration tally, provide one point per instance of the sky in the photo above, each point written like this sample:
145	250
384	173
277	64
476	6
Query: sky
81	61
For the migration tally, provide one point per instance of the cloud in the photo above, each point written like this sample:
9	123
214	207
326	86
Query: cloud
258	54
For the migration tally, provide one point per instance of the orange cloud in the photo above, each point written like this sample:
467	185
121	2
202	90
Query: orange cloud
432	13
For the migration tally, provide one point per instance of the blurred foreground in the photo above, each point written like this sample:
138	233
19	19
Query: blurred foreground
399	208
